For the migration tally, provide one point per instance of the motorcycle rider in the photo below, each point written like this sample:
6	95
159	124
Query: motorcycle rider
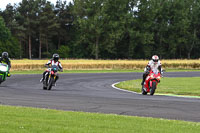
154	63
4	59
53	61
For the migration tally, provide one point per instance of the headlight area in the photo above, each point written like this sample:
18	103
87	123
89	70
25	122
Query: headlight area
152	76
158	77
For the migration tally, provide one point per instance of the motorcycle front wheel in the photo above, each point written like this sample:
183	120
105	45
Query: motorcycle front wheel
152	91
143	91
1	79
50	83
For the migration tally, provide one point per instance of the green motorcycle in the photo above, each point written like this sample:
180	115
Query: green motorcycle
3	72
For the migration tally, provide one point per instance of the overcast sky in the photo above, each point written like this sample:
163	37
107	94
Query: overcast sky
3	3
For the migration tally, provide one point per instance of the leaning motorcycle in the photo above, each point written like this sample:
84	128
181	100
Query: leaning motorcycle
50	77
3	72
151	82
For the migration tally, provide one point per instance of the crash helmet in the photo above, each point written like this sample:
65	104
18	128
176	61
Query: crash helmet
5	55
155	59
55	57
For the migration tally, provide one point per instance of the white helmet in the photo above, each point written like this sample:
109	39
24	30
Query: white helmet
155	59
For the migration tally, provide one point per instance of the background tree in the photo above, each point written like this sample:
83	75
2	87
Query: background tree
106	29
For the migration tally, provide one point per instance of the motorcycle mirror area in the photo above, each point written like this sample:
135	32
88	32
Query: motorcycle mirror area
162	73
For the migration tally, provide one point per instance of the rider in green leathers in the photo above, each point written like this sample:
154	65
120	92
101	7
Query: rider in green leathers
4	59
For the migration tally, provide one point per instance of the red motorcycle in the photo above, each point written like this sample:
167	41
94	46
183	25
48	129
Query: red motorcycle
151	82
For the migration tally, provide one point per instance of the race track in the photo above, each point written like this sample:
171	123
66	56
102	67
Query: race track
94	93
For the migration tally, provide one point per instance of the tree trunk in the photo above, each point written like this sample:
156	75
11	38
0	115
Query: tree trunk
47	47
29	44
97	48
193	43
40	47
59	42
20	49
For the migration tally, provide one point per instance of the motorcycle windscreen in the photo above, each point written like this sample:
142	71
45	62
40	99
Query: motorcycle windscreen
155	71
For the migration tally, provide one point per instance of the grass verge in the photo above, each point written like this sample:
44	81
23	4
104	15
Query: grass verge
74	71
94	71
32	120
189	86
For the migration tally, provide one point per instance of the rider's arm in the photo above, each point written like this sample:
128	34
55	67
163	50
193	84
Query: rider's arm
9	63
148	68
60	66
160	67
48	63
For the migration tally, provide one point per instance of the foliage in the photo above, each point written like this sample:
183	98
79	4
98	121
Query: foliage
7	42
63	51
128	29
4	31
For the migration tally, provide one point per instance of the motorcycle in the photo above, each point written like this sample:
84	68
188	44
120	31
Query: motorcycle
151	82
50	77
3	72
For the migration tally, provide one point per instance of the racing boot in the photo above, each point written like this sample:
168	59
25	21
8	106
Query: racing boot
42	79
142	83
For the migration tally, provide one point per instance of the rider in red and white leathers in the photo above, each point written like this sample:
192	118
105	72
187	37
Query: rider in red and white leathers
154	63
53	61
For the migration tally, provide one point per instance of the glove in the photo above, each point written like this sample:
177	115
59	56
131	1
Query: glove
147	72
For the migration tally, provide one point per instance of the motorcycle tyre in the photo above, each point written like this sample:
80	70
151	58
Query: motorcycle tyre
50	83
152	91
44	85
143	91
1	80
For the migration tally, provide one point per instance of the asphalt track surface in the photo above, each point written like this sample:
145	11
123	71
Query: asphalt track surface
94	93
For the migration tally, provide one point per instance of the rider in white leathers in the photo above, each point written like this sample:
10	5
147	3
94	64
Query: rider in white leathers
53	61
153	64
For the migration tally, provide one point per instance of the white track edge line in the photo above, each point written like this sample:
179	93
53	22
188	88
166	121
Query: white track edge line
113	85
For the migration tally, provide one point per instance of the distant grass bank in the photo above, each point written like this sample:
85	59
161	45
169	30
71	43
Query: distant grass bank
104	64
178	86
34	120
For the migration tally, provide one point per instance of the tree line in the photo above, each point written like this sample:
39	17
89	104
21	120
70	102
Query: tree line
102	29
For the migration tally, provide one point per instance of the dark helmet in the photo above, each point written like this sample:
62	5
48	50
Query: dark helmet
5	55
55	57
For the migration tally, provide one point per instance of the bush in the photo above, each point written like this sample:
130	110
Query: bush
63	51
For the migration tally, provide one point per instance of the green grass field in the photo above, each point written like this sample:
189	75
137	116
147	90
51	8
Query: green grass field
177	86
34	120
